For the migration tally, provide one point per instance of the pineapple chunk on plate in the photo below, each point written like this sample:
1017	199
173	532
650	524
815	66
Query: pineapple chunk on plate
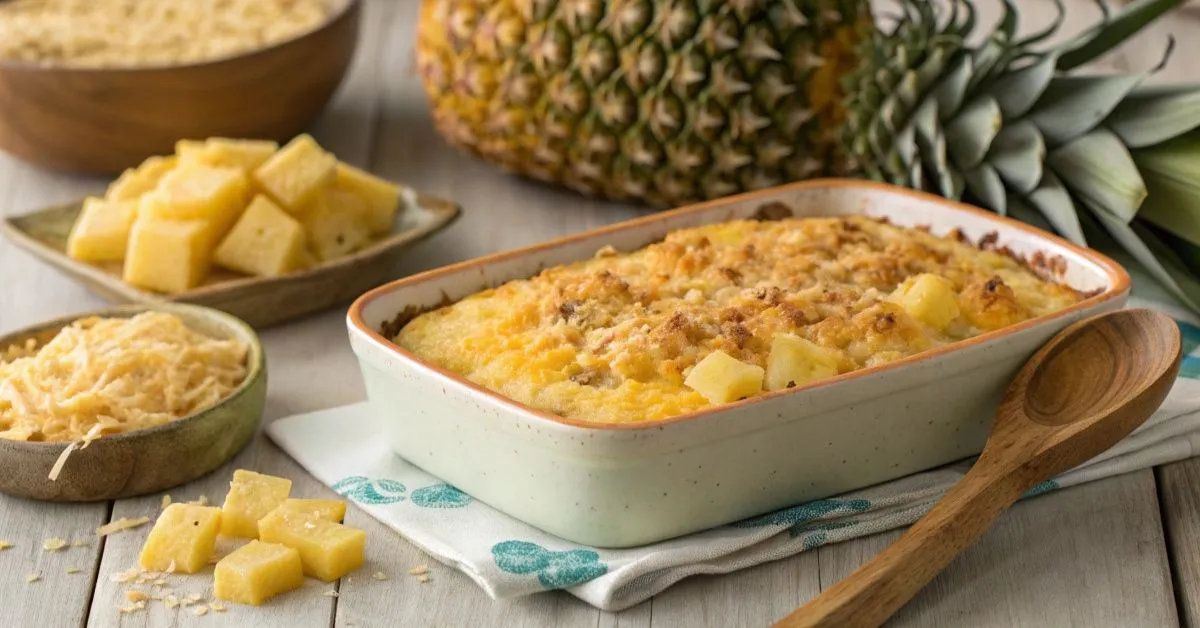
245	155
196	191
335	225
135	182
101	234
380	199
297	173
794	361
265	241
167	255
721	378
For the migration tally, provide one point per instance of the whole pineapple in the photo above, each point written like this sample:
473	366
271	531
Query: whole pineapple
673	101
652	100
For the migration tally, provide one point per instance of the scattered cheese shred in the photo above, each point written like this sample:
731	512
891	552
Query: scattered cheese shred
379	575
423	578
136	596
73	570
78	543
102	376
33	577
217	606
5	545
330	593
124	523
171	601
200	501
166	501
200	610
125	576
137	606
419	569
53	545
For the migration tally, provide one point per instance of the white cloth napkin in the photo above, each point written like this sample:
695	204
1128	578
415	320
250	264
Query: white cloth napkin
508	558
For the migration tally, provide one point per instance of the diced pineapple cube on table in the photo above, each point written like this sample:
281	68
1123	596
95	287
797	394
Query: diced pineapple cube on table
265	241
794	361
333	510
135	182
928	298
335	225
245	155
101	233
195	191
169	256
256	572
380	199
721	378
293	176
251	497
328	550
182	539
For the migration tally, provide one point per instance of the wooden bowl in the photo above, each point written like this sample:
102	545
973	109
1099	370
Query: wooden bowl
149	460
102	120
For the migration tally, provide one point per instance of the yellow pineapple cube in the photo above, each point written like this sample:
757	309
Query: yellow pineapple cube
294	175
196	191
328	550
257	572
184	536
251	496
928	298
334	223
167	255
245	155
265	241
380	198
135	182
328	509
794	361
101	233
721	378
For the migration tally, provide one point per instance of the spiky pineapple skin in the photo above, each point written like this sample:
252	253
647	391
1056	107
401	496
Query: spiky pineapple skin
658	101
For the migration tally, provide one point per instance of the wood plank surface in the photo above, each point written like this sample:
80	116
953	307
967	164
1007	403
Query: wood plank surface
1089	556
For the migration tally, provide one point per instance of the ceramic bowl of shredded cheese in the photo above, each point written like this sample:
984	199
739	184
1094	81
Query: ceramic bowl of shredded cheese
126	401
96	86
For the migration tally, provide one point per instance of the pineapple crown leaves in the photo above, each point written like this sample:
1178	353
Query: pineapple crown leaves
1011	126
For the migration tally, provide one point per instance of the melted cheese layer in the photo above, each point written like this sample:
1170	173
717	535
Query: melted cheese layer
611	339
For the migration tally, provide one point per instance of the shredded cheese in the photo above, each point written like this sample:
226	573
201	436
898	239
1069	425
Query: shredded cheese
124	523
104	376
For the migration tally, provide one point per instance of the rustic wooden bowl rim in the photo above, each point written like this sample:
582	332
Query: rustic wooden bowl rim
338	14
255	359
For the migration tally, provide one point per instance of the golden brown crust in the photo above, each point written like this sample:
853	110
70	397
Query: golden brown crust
612	338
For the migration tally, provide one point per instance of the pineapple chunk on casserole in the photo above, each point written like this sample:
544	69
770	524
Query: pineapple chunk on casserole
722	312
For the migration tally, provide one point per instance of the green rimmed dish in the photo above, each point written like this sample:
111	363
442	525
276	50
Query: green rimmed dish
143	461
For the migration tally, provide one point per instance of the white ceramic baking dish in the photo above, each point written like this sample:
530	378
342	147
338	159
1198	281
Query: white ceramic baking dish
628	485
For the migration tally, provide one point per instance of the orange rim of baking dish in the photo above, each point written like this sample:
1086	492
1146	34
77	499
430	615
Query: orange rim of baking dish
1117	277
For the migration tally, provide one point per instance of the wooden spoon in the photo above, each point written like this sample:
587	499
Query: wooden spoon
1080	394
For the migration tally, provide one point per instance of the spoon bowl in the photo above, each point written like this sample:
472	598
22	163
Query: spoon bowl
1080	394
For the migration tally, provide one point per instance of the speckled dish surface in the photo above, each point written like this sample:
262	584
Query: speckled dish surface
632	484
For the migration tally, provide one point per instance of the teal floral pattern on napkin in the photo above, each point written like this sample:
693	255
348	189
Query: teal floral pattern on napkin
798	516
364	490
440	496
555	570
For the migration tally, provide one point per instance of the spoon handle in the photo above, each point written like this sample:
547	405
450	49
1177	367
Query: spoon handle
867	597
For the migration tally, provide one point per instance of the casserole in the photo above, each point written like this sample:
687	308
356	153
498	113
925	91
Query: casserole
622	485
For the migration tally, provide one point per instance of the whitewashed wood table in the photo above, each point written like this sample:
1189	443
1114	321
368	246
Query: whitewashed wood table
1121	552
